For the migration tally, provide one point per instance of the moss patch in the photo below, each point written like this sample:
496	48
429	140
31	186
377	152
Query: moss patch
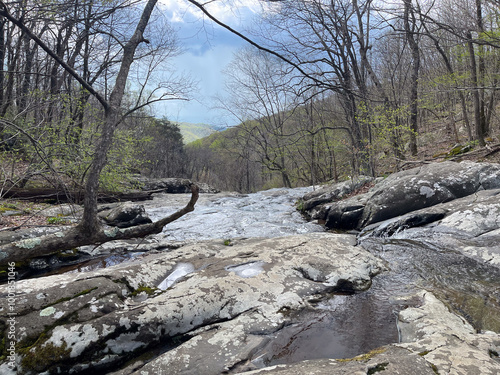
43	356
5	207
434	368
56	220
143	288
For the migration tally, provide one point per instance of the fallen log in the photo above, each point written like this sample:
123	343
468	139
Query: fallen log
53	195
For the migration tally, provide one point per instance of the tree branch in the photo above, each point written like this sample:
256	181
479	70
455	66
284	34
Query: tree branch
46	245
256	45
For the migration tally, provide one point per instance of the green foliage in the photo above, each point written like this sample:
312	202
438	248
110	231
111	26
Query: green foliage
161	151
60	152
56	220
193	132
390	128
122	160
299	205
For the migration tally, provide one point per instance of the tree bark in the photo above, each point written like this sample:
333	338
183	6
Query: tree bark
89	224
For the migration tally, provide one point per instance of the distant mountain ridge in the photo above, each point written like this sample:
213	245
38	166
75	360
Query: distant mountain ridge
191	132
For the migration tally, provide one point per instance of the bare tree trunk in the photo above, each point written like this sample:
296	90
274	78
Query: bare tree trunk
415	53
481	72
2	58
477	98
461	95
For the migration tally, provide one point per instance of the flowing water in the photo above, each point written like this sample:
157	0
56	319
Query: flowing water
225	216
469	287
341	326
269	213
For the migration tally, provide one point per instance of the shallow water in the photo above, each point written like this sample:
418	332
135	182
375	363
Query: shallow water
343	326
469	287
180	270
269	213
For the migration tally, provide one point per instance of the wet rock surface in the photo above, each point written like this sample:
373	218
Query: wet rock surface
470	225
269	213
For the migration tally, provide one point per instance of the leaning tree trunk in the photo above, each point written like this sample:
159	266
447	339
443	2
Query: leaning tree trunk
45	245
90	224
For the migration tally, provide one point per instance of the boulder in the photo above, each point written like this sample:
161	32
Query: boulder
170	185
427	186
408	191
125	215
206	300
334	192
470	225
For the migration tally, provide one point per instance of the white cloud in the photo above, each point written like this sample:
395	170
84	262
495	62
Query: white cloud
233	12
207	70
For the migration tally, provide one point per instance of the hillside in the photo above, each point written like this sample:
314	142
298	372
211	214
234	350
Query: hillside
192	132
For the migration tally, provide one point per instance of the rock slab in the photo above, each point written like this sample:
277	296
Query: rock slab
223	309
407	191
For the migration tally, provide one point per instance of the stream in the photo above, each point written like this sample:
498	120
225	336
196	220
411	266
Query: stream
344	325
269	213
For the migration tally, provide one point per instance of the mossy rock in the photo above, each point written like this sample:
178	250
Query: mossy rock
459	149
43	356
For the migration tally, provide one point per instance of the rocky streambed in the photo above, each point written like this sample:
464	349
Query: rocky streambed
245	285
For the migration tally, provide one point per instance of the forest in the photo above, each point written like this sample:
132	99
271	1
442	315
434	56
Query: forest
324	90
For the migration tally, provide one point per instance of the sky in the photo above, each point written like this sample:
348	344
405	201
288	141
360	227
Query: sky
208	50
